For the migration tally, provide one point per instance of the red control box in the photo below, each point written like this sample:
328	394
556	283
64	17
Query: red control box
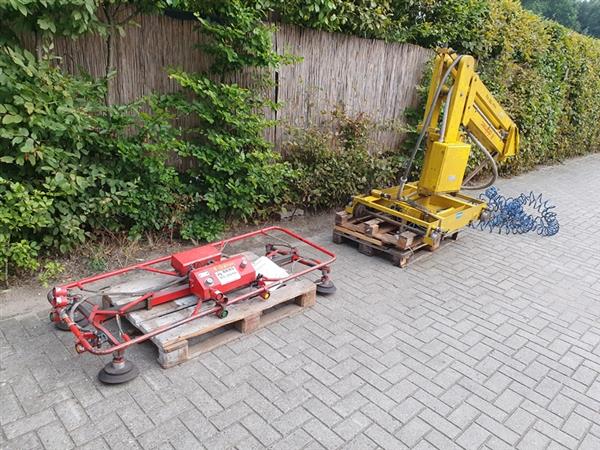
183	262
226	276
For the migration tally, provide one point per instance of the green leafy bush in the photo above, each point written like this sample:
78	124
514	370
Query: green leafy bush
330	166
46	18
70	165
427	22
238	36
51	271
235	174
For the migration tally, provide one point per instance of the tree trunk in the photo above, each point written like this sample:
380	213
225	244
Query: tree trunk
38	46
109	67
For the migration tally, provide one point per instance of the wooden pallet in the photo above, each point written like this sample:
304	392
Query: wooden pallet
206	333
375	235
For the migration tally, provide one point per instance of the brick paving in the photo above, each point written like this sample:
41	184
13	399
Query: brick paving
493	342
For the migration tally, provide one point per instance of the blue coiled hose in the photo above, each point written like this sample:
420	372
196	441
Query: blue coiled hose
507	215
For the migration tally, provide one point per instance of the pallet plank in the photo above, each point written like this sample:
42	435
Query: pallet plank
358	235
236	312
383	237
247	316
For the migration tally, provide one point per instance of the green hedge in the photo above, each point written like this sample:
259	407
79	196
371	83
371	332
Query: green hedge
548	78
70	165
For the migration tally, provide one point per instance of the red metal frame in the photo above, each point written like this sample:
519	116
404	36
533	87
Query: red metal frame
87	340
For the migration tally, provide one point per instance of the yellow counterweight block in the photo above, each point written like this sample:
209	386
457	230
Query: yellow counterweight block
444	167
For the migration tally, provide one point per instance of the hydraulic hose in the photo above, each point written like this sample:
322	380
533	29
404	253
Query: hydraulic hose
492	163
426	124
445	116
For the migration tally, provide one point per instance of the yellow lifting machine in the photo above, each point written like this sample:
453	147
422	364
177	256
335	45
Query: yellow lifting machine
459	108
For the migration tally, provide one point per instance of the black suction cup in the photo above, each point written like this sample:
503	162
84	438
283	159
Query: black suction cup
118	371
326	287
80	320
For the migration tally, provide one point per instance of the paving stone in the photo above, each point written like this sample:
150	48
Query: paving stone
170	410
198	425
455	395
297	439
440	423
231	415
520	421
89	432
590	442
498	429
533	440
260	429
508	400
121	438
27	424
291	420
183	440
349	404
473	436
100	444
495	443
322	412
27	441
228	438
71	414
11	409
353	425
548	387
54	437
382	438
401	390
360	442
322	392
413	431
249	443
263	407
576	426
463	415
440	441
407	409
555	434
322	433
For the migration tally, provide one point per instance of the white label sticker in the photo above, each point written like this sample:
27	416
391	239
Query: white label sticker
228	275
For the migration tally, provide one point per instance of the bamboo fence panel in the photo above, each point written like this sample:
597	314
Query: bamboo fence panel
361	75
366	76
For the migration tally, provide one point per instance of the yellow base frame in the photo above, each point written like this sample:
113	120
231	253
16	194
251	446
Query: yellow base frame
437	214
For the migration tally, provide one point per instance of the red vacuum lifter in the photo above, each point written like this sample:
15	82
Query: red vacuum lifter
204	272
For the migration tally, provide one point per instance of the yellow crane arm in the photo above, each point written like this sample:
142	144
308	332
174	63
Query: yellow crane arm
469	105
459	105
